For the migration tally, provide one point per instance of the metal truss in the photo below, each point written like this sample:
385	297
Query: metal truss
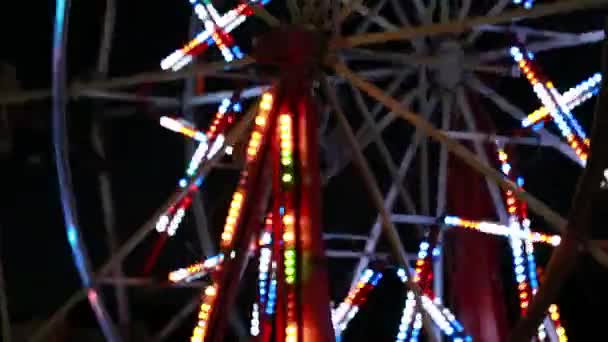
412	84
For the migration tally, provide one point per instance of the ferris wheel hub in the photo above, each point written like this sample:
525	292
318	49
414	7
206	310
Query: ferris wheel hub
450	69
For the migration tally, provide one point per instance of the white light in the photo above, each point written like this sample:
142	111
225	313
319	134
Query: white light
229	150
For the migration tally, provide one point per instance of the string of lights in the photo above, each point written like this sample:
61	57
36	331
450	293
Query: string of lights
197	270
199	332
170	221
523	250
264	268
553	102
216	32
441	316
501	230
356	297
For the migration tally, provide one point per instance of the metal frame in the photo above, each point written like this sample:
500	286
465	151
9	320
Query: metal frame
418	62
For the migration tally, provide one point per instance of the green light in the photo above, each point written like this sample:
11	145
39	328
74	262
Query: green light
287	178
290	253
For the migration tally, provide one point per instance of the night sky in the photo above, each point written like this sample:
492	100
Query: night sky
145	161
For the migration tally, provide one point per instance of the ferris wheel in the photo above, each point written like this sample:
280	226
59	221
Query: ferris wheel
348	72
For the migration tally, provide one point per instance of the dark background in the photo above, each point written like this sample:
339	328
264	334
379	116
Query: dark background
145	161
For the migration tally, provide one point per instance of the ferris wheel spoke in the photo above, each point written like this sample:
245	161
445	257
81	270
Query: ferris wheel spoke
406	198
464	10
402	17
444	11
469	119
456	148
389	201
591	37
389	229
210	69
464	25
442	177
107	35
127	247
364	134
497	8
177	319
424	146
104	180
410	59
370	15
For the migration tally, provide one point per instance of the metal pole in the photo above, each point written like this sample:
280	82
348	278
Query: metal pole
105	184
4	314
60	142
390	231
469	119
442	179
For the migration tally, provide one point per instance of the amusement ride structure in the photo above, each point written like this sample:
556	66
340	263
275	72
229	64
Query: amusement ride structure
298	91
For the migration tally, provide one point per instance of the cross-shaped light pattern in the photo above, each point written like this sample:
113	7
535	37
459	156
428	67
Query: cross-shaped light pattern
501	230
216	31
441	316
573	98
554	102
519	223
523	252
209	144
411	321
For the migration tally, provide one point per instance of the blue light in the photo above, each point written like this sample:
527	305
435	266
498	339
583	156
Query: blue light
237	107
538	126
183	183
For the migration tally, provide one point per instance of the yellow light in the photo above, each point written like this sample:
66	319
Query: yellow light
260	121
288	219
267	97
555	316
285	119
288	236
210	291
291	329
286	145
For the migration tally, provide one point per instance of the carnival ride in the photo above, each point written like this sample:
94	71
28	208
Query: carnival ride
296	76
